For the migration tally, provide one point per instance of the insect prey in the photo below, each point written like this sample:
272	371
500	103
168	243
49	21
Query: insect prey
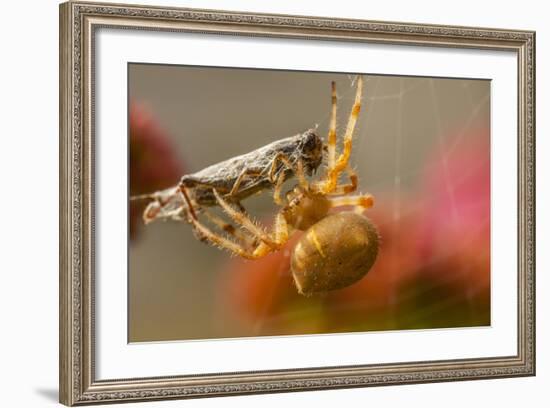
237	178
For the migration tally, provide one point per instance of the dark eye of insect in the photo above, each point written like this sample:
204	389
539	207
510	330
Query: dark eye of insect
311	142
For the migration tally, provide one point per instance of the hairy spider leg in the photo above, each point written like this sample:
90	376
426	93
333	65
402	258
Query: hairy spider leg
349	187
244	220
361	202
206	234
230	229
331	140
281	234
342	163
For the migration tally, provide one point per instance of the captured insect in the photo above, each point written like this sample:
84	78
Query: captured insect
236	178
336	250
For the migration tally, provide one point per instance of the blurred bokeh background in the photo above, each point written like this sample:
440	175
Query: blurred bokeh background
422	148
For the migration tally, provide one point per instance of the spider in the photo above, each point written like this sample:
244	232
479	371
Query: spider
335	250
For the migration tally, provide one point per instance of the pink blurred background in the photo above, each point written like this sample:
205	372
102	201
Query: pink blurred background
422	148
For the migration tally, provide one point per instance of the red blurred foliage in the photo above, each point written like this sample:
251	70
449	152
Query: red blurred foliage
153	162
433	267
456	232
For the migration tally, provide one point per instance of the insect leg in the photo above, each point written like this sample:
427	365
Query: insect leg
140	197
243	219
297	169
360	202
161	205
244	174
278	188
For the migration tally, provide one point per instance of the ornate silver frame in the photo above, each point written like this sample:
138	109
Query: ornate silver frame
78	22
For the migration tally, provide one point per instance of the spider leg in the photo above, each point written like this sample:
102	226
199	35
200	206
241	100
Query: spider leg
346	188
240	207
361	202
241	218
341	164
238	233
331	142
206	234
253	250
228	228
281	234
281	229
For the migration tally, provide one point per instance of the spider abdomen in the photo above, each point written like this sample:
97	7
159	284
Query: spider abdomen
334	253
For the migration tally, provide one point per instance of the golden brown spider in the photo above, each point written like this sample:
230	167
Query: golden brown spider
336	250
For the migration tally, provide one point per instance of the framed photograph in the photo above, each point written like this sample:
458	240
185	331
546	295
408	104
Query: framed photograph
256	203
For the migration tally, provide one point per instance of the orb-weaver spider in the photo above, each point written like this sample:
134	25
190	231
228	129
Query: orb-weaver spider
336	250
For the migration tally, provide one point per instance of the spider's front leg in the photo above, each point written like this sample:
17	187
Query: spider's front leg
360	202
341	189
242	219
336	166
244	240
281	234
